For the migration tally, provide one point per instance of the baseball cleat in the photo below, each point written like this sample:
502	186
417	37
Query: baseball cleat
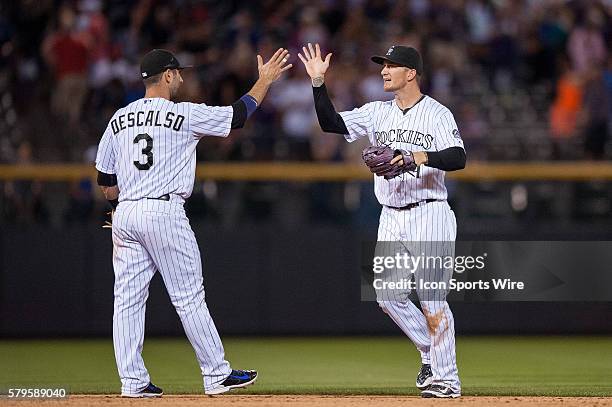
440	391
150	391
425	377
236	379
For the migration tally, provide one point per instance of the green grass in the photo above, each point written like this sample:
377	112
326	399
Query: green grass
553	366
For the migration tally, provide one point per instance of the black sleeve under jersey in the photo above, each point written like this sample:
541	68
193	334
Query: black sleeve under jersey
240	114
107	180
449	159
329	120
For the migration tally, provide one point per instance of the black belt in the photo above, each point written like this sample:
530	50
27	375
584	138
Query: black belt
165	197
413	205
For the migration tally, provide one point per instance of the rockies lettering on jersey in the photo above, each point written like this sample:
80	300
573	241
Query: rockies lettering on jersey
427	126
404	136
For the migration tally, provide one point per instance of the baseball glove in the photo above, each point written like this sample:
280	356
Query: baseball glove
378	159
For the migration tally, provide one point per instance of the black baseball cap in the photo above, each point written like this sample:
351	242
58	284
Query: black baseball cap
404	56
157	61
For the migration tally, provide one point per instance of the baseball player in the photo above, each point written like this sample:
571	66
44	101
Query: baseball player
146	164
414	141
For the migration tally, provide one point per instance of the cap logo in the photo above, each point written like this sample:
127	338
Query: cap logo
390	51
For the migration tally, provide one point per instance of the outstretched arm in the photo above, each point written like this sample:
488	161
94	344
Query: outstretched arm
329	120
268	74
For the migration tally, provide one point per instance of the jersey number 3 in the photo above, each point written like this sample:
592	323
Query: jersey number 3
147	151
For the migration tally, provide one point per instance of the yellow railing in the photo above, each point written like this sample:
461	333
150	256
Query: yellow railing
310	172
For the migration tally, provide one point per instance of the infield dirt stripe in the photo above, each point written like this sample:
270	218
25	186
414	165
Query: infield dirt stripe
299	401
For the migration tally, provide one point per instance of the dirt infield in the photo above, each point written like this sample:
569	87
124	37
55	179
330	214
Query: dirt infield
325	401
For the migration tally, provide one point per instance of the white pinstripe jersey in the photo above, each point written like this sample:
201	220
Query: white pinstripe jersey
150	145
427	126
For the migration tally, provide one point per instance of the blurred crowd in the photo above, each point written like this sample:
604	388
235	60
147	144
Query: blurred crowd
499	64
526	79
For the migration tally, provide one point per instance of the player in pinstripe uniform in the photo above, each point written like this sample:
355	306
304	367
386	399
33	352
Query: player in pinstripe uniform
146	168
414	203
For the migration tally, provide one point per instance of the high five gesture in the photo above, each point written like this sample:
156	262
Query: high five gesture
314	63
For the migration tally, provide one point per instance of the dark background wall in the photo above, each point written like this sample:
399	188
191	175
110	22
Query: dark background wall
259	280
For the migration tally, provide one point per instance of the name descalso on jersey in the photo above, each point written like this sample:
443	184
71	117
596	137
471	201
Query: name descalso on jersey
151	145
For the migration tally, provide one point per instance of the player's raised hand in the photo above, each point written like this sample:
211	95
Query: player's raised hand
315	65
272	70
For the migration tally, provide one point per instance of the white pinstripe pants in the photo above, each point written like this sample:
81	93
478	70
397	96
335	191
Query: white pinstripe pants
150	235
433	330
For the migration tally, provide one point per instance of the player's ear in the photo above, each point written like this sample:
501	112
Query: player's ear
412	74
168	76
